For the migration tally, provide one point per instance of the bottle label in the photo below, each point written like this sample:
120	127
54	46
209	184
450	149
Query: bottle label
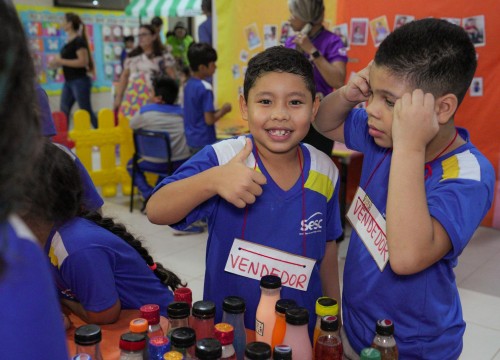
254	261
259	327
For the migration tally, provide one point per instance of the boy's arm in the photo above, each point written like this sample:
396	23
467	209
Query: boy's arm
329	273
335	107
234	181
212	117
415	239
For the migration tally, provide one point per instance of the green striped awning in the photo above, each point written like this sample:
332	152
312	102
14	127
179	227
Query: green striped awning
150	8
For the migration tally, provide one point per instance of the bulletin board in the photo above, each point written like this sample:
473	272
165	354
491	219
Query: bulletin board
105	31
373	20
242	30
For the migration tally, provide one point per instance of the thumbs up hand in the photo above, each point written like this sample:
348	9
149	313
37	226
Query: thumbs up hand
237	183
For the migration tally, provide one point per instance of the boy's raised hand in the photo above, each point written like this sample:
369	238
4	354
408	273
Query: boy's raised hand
358	88
237	183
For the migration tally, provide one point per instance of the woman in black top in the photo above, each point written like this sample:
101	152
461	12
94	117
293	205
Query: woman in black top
76	61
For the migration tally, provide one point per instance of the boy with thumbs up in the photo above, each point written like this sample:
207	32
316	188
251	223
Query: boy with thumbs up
271	201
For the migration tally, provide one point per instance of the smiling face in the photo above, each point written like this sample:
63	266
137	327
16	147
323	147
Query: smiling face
386	89
279	111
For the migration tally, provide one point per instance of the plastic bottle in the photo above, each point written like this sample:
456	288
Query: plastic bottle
324	306
328	346
178	315
82	356
87	340
297	335
184	294
282	352
203	319
257	350
183	340
370	354
384	340
139	326
173	355
157	347
234	314
225	334
282	305
208	349
151	313
132	346
265	316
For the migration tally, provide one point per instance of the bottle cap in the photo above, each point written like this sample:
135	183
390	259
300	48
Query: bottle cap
178	310
329	323
151	313
183	294
282	305
370	354
208	349
270	282
326	306
224	333
297	316
233	305
158	341
173	355
132	342
258	350
282	352
204	309
385	327
183	337
138	325
82	356
88	335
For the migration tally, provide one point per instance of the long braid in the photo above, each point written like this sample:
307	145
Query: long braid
167	277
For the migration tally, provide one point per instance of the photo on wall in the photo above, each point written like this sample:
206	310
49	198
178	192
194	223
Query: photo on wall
359	31
475	27
379	28
343	33
400	20
270	36
252	36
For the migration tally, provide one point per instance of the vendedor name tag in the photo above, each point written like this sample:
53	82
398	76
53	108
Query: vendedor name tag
254	261
370	226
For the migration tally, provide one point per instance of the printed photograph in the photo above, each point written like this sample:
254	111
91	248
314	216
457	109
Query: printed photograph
343	33
379	29
474	26
359	31
270	36
400	20
252	36
476	87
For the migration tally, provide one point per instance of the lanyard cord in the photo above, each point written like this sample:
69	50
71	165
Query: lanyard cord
303	200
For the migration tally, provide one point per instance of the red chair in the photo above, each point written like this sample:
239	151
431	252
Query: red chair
61	124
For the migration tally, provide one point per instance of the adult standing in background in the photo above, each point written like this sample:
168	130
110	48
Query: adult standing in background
77	64
325	51
205	28
142	63
180	40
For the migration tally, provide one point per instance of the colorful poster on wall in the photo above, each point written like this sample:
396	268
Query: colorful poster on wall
105	32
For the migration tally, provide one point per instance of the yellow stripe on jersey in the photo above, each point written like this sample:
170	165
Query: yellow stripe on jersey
320	183
53	257
461	166
323	174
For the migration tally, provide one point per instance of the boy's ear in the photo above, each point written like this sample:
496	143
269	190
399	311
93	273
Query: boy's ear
315	107
445	107
156	99
243	108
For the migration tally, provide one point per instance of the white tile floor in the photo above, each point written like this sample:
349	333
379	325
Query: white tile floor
478	272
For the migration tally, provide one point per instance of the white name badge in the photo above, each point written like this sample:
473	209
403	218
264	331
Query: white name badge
254	261
370	226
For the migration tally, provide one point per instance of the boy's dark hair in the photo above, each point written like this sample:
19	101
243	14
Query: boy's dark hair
157	22
430	54
201	54
282	60
206	6
167	88
128	38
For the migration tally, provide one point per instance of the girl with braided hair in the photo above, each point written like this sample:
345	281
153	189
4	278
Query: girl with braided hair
98	266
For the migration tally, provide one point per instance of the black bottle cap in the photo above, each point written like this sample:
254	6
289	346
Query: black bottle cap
282	352
385	327
234	305
183	337
204	309
329	323
282	305
88	335
326	301
178	310
270	282
258	351
208	349
297	316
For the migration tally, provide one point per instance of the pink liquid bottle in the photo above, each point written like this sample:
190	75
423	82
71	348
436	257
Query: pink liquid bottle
297	335
203	319
151	313
265	316
328	346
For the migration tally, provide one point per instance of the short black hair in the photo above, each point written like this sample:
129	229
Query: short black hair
128	38
206	5
201	54
282	60
430	54
167	88
157	22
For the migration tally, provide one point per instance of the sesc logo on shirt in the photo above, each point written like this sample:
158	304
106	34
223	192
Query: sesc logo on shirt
312	225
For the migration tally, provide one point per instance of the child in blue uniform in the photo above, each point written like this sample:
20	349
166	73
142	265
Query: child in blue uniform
98	266
423	192
31	320
268	189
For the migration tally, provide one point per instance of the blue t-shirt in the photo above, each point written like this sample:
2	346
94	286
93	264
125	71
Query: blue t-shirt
425	307
198	99
205	31
96	267
274	220
31	318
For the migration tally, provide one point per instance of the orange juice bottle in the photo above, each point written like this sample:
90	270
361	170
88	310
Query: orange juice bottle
282	305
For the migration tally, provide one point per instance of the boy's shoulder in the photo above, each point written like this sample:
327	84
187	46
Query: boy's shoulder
198	83
162	108
226	150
